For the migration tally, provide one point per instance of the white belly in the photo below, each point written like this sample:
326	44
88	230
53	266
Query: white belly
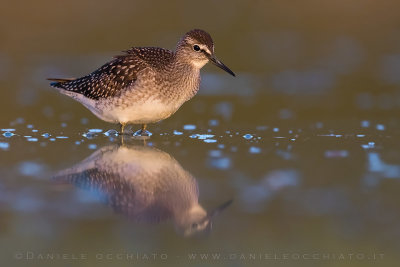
137	113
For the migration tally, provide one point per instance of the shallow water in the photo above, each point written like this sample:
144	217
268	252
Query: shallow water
304	141
297	192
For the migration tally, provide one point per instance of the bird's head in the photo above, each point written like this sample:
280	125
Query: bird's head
197	48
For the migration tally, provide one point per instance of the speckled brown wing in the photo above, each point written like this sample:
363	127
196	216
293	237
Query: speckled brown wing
115	76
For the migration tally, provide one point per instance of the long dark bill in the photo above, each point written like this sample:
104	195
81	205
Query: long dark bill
221	65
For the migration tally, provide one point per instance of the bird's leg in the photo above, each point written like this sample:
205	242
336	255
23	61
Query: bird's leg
143	132
122	125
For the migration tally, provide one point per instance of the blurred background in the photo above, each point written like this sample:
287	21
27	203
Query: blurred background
303	58
304	139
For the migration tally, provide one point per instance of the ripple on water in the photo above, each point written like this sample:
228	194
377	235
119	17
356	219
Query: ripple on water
96	130
88	135
202	136
177	132
8	134
247	136
111	132
46	135
8	130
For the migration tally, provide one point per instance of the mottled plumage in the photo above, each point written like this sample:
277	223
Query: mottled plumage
145	84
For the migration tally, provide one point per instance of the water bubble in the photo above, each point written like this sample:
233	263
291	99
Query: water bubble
360	135
32	139
221	146
46	135
275	130
8	130
4	145
254	150
77	142
111	132
52	139
177	132
210	141
8	134
63	124
34	131
29	126
95	130
61	137
189	127
247	136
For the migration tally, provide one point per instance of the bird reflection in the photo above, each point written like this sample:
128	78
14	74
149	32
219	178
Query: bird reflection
145	184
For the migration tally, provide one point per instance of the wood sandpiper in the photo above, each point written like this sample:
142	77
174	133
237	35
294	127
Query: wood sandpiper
145	84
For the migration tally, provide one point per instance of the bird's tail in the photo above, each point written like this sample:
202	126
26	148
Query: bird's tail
58	81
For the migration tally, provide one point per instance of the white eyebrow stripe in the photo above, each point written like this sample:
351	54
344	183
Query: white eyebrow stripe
205	48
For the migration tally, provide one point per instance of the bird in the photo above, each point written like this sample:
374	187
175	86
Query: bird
144	85
145	184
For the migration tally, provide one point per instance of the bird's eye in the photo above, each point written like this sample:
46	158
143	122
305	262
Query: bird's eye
196	48
194	225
